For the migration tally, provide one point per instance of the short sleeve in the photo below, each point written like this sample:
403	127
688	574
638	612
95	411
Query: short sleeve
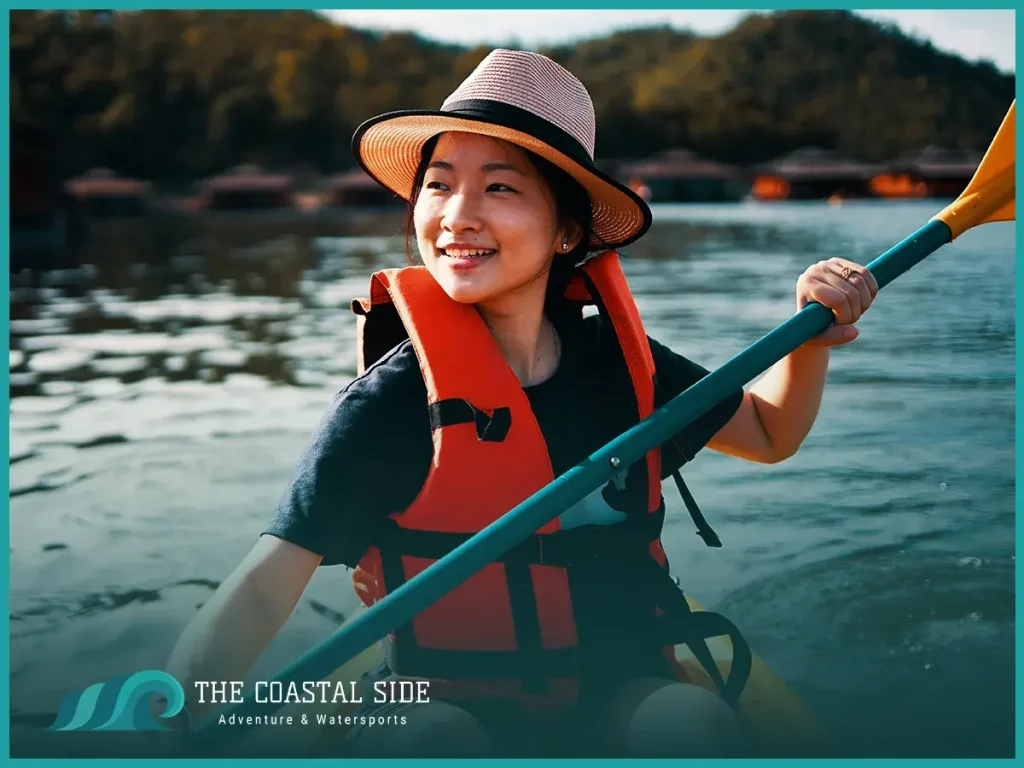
368	457
676	374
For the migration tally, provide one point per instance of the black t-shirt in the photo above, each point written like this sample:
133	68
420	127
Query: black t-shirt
370	454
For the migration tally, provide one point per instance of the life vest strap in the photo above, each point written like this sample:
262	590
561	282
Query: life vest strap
491	426
704	529
561	548
679	624
526	623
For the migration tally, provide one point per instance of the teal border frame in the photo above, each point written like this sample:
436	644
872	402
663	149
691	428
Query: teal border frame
449	4
748	5
5	244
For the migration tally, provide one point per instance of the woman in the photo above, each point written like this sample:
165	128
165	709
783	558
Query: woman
484	382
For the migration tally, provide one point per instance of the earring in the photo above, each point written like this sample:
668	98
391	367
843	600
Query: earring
565	246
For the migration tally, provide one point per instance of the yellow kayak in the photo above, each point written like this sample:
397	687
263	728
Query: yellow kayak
774	719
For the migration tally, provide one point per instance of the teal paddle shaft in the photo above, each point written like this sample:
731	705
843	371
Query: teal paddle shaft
399	607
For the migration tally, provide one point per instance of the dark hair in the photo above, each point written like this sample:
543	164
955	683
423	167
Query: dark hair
572	205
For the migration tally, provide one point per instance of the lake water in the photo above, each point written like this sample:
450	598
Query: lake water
158	411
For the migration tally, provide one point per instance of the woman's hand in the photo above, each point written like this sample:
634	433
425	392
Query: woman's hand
845	288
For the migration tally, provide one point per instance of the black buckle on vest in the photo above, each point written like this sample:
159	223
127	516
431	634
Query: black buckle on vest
491	427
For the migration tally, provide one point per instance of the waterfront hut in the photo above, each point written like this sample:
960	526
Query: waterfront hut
248	211
115	219
682	176
102	194
247	188
356	189
930	172
812	173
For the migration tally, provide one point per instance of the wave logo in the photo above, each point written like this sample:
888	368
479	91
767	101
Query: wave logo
120	704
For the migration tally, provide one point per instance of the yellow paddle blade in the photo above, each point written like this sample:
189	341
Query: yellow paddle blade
991	195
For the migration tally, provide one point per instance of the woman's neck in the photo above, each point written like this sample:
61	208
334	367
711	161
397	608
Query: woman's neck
527	340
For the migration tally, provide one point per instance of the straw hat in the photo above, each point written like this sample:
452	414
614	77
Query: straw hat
528	100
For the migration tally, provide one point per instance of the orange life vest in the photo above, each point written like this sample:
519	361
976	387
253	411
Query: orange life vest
509	630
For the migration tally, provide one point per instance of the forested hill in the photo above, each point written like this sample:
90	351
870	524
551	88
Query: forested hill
176	95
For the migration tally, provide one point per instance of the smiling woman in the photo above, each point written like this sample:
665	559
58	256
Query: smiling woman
483	382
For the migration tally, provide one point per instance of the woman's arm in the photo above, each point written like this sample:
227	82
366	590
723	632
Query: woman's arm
777	414
345	480
232	629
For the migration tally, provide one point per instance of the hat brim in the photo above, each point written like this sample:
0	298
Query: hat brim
389	148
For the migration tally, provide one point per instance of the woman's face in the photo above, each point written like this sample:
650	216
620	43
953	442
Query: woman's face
486	221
